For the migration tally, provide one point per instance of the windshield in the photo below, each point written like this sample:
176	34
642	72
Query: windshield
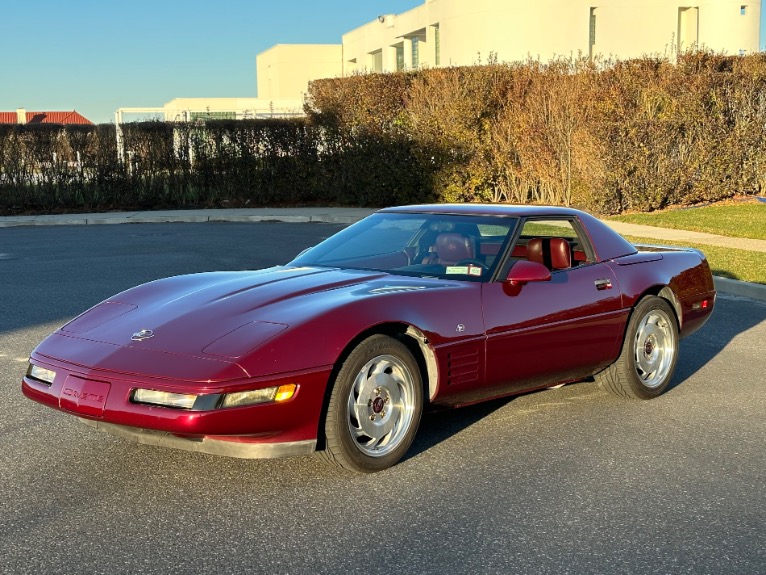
433	245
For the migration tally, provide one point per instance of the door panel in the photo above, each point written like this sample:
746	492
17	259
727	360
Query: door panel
546	332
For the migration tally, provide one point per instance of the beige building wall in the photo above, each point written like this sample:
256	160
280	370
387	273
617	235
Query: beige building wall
463	32
458	32
721	23
284	71
632	29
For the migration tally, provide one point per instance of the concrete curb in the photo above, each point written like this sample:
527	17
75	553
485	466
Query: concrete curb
742	289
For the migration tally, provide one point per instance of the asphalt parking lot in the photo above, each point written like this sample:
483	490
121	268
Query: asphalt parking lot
564	481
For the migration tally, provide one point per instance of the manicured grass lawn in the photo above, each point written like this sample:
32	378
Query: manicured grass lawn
725	262
735	220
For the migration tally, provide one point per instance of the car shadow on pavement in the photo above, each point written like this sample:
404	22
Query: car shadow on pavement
733	315
439	425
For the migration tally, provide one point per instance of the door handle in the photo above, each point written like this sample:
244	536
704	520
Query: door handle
603	284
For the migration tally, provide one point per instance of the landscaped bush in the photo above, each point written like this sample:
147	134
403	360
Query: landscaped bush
607	136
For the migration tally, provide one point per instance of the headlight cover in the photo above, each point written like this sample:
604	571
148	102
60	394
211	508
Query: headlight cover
41	374
209	402
164	398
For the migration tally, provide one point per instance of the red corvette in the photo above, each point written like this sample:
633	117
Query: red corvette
341	349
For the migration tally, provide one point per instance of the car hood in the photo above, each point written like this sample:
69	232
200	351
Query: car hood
223	326
222	314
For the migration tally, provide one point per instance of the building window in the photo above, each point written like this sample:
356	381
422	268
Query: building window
399	56
688	28
376	61
415	51
437	55
742	10
592	32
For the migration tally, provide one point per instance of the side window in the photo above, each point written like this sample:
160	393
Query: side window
555	243
491	241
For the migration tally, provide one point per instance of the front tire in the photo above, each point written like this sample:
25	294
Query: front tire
649	352
375	406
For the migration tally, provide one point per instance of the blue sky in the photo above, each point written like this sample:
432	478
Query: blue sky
97	55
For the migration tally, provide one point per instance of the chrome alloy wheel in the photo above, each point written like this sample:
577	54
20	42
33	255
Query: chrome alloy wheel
381	405
654	348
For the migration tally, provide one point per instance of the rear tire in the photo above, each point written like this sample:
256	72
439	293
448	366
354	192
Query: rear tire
649	352
375	406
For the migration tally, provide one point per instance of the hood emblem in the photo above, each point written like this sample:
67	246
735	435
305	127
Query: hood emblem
142	335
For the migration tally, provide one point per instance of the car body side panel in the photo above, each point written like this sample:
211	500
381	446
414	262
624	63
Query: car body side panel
685	272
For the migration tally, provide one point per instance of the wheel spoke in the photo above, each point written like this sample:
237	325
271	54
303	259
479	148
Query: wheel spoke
645	366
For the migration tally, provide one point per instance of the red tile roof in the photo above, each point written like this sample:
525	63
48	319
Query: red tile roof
72	117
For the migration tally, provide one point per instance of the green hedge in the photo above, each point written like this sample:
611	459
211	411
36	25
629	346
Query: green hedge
607	136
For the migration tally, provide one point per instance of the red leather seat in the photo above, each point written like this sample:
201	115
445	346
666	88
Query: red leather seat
553	253
451	248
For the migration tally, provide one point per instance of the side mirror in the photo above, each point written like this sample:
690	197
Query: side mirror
524	271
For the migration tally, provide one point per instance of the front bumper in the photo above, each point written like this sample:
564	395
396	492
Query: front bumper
224	447
102	399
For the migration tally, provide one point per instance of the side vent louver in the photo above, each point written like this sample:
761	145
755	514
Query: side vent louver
463	366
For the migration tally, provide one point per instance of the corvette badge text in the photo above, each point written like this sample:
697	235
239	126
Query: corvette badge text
82	395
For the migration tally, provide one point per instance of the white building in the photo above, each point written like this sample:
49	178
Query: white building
288	68
186	109
461	32
190	109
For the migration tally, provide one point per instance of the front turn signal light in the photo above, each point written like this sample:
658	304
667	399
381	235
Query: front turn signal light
285	392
